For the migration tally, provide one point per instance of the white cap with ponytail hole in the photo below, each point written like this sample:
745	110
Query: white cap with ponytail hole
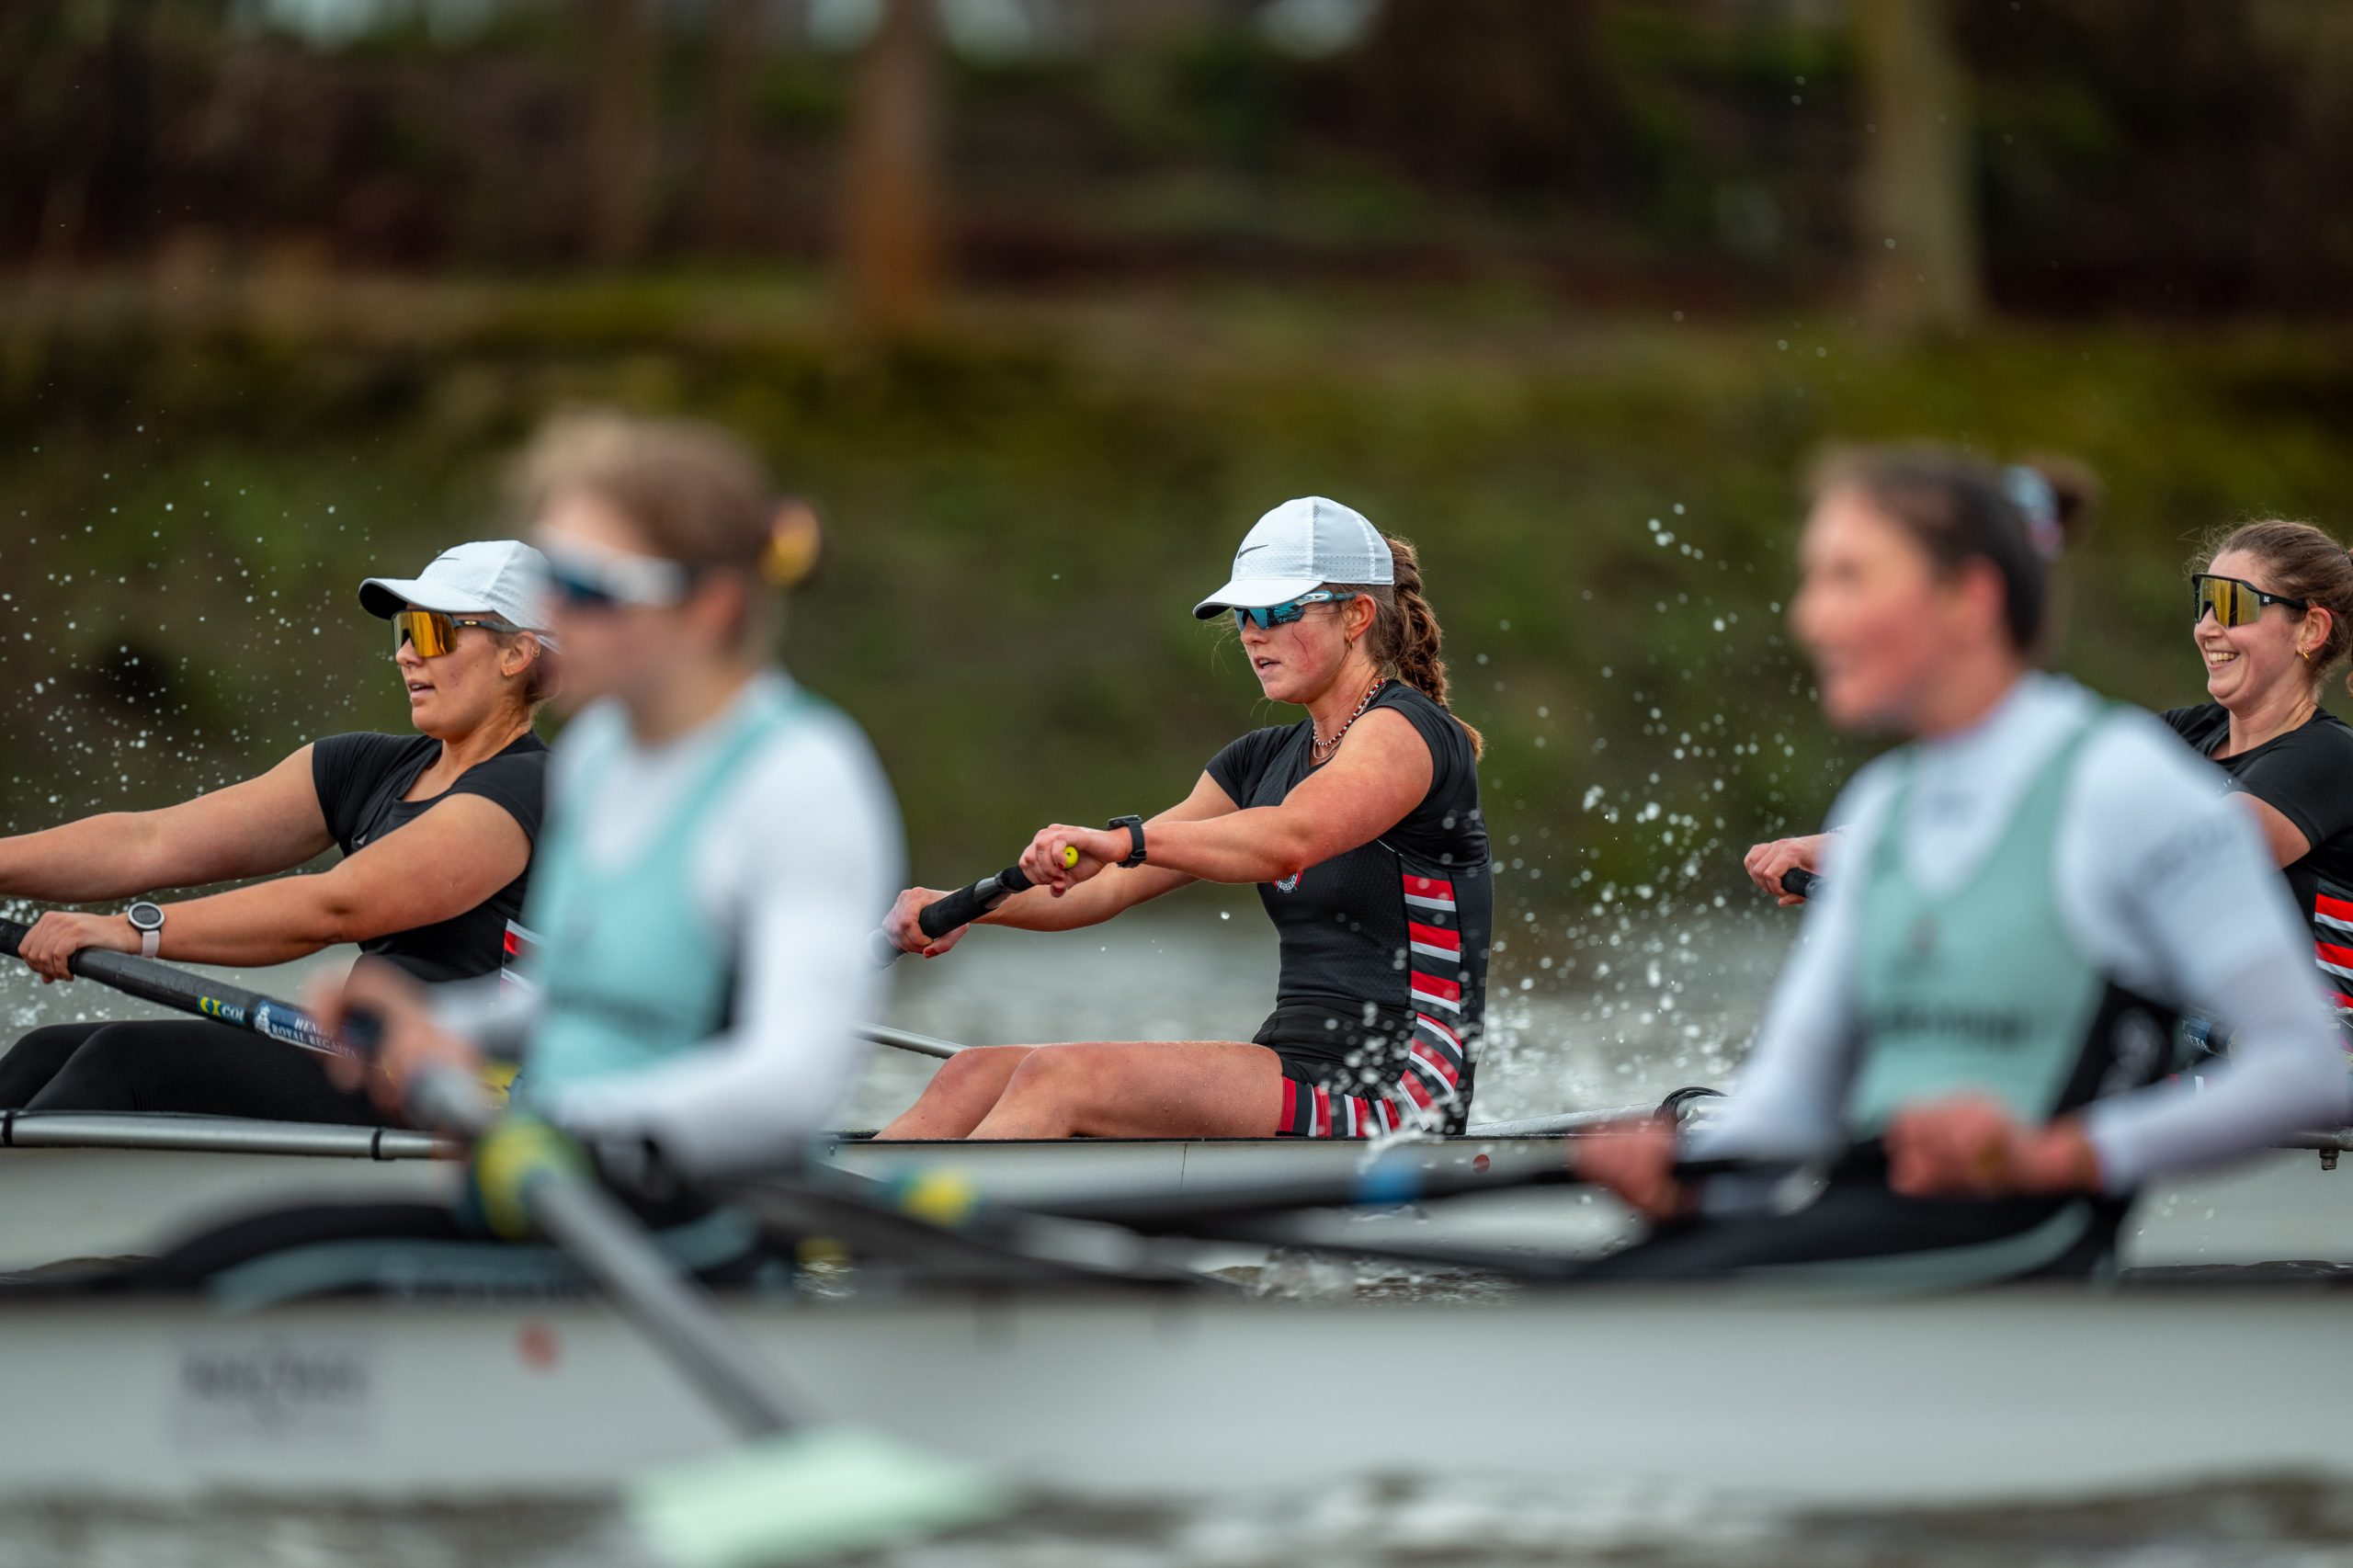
1298	547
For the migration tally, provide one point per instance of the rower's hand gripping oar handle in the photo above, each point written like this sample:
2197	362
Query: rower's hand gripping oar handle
1799	882
207	998
961	907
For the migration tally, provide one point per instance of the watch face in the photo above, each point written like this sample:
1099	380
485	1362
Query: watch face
145	917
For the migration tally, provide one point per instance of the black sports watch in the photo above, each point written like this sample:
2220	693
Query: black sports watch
1135	838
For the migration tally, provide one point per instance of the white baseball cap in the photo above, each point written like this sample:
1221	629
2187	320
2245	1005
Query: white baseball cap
503	578
1298	547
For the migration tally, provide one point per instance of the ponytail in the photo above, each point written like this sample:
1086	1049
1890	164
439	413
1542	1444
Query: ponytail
1404	639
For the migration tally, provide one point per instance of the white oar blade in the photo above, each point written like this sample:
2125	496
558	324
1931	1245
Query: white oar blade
807	1495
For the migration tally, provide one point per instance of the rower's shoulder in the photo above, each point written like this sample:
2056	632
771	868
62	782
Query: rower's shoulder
2134	759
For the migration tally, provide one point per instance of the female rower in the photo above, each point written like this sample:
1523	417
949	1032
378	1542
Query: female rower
714	832
2272	609
435	830
2058	498
2026	895
1359	823
716	827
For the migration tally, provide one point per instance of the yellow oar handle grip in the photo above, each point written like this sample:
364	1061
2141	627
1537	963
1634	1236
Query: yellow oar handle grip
1070	855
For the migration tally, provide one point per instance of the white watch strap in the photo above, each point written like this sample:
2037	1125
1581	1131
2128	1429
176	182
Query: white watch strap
149	941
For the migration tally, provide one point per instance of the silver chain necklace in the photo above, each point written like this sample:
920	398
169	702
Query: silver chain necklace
1320	751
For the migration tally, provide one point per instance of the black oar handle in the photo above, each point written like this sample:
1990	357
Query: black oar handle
1799	882
160	983
961	907
968	903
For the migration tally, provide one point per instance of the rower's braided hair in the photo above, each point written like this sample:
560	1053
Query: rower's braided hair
1404	639
2303	562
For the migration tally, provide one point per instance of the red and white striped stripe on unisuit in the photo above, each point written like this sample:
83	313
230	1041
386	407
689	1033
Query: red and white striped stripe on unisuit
1434	941
520	942
2332	912
1428	892
1320	1113
2337	964
1433	1067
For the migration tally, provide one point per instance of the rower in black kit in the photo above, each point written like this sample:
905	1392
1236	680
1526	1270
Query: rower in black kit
1383	976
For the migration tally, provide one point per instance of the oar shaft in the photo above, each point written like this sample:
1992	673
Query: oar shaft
1799	882
207	998
1389	1183
904	1039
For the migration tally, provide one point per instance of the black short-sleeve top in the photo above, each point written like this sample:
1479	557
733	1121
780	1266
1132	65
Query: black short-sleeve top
2305	775
1388	940
360	779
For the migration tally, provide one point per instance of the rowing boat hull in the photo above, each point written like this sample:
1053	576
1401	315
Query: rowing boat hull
112	1185
1807	1402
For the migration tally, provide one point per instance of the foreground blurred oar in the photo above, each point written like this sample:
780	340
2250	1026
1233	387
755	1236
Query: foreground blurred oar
794	1489
1799	882
161	983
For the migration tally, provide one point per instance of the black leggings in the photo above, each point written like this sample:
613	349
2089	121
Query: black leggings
410	1249
183	1064
1858	1233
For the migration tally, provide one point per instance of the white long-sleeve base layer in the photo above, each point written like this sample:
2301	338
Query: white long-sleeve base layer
797	858
2162	879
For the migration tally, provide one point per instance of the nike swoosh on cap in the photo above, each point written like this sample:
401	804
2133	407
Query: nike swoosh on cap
1246	550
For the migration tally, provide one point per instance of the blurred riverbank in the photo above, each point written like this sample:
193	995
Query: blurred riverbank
195	473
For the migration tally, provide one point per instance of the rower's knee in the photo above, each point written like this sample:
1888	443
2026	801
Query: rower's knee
977	1070
1056	1075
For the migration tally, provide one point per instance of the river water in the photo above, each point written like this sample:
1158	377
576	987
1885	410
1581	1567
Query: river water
1631	1004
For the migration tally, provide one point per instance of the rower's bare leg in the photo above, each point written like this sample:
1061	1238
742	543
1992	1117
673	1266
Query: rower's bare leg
1149	1089
964	1090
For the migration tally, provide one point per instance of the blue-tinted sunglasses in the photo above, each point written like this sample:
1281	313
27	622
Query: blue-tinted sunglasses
1284	614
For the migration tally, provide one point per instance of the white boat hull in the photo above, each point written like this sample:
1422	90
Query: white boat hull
91	1196
2017	1394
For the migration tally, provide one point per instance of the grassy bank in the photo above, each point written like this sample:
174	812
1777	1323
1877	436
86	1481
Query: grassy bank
1023	513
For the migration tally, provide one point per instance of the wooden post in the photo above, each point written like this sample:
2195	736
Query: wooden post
624	129
891	256
1915	197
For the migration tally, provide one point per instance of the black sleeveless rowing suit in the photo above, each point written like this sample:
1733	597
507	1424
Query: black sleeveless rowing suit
1384	949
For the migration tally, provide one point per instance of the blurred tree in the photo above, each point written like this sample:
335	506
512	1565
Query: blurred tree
892	255
730	166
624	129
1498	95
1917	198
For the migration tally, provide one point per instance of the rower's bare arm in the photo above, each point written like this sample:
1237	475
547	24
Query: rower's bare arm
2283	838
262	826
1103	897
449	859
1382	773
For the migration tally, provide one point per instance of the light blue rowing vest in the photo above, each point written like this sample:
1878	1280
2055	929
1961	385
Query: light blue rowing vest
1983	989
630	969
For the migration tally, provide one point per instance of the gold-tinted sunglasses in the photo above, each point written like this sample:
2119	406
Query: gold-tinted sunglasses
433	634
2233	602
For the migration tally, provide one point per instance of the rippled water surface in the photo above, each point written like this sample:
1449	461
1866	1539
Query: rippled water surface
1373	1524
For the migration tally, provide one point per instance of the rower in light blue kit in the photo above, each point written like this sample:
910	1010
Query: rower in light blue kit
713	827
2028	894
715	836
